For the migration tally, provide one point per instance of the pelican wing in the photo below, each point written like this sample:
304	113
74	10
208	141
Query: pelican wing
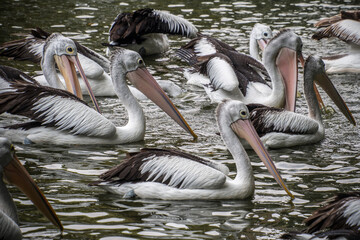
174	168
31	48
267	119
346	30
340	212
129	27
53	108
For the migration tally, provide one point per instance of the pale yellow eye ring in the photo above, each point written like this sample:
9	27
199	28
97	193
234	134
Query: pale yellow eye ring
140	61
69	50
243	113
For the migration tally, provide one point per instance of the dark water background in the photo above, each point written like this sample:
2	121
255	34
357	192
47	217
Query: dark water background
313	172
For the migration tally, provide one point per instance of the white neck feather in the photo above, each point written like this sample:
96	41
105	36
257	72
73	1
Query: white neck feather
244	173
7	205
134	130
48	68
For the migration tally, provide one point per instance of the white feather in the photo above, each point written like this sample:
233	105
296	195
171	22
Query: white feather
78	117
191	174
222	74
204	47
352	212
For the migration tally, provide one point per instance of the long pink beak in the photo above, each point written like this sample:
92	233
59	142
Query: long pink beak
244	129
145	82
66	65
262	43
288	67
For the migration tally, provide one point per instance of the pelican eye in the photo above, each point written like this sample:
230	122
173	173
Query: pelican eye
265	34
70	50
243	114
140	61
12	148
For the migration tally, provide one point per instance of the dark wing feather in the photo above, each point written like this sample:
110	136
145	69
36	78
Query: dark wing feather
132	169
129	28
331	216
269	119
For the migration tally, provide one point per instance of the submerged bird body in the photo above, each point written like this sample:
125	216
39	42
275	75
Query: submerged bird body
346	27
144	30
280	128
56	123
174	175
230	74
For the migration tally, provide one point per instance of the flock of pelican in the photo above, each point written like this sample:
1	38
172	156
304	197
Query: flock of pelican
256	99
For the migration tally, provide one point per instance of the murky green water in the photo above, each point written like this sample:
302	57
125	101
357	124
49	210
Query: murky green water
313	172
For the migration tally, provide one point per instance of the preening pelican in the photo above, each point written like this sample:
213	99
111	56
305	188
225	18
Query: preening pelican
339	218
259	37
227	73
62	118
174	175
54	50
280	128
346	27
14	172
96	67
144	30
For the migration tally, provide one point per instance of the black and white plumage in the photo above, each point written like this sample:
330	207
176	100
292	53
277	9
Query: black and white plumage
144	30
280	128
339	218
226	73
96	67
14	172
346	27
79	124
174	175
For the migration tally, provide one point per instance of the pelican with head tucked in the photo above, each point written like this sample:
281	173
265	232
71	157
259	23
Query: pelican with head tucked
14	172
226	73
175	175
346	27
280	128
62	118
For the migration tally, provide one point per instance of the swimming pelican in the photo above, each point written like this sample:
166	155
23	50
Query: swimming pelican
346	27
227	73
175	175
95	66
14	172
59	51
339	218
259	37
61	118
280	128
144	30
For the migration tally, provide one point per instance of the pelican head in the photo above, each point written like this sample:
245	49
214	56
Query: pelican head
233	115
14	172
261	34
314	72
133	68
284	49
63	51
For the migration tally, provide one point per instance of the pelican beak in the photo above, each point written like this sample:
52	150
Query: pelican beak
66	65
145	82
262	43
244	129
286	62
325	83
15	173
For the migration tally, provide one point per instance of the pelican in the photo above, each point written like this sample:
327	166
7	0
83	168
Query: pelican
346	27
63	118
144	30
55	50
259	37
95	66
281	128
339	218
175	175
14	172
226	73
